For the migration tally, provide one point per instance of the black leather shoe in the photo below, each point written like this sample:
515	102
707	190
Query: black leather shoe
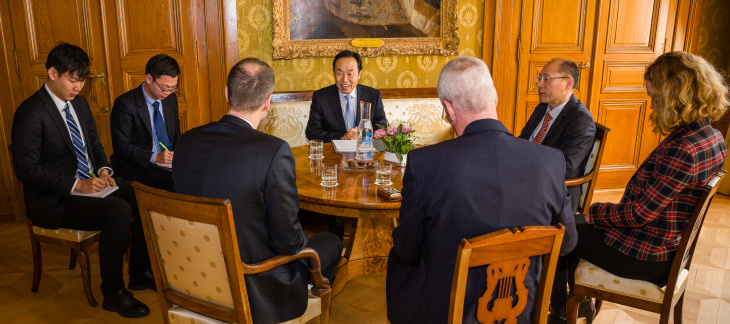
123	303
146	281
586	309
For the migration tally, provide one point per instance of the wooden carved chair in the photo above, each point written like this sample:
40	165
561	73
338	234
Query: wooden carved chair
590	176
196	262
507	253
592	281
77	241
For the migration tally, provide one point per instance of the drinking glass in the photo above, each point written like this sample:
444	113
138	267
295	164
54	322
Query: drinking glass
315	149
329	175
383	174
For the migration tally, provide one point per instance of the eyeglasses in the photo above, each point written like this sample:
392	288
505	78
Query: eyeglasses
545	79
445	116
166	91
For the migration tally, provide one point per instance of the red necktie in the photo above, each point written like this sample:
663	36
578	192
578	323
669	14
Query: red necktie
543	129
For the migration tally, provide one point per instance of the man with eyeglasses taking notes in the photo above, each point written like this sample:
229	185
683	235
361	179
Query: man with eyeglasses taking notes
145	125
561	121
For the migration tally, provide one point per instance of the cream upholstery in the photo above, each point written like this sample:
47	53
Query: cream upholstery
65	233
193	259
590	275
288	120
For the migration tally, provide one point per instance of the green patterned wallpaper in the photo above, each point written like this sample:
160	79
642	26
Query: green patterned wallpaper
401	71
714	41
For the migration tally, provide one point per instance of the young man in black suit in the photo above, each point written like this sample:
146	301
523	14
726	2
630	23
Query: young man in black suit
230	159
144	117
467	187
561	121
55	149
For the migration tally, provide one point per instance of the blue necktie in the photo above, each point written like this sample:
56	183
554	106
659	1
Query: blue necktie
160	129
349	114
83	162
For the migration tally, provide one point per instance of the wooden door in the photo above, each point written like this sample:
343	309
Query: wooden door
38	26
552	28
140	29
630	35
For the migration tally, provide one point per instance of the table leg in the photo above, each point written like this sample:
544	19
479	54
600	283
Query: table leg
370	242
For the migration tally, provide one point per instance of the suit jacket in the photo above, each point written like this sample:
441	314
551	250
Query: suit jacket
572	132
255	171
44	158
326	121
131	130
464	188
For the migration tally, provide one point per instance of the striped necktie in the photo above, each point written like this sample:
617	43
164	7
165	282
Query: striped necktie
83	162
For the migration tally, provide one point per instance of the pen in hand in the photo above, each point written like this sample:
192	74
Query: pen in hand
163	146
94	175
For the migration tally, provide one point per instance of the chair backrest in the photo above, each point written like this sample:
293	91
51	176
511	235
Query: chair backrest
507	253
683	256
592	166
194	254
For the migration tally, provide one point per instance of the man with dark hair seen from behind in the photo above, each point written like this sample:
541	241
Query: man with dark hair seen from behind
490	170
335	110
56	150
561	121
230	159
145	126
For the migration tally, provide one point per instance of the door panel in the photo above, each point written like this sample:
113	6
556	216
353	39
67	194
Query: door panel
46	23
559	26
142	30
630	35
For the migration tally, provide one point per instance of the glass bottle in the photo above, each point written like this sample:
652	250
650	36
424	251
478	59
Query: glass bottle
365	133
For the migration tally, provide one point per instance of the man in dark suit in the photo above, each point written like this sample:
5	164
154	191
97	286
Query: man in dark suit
231	159
55	151
467	187
561	121
335	111
141	119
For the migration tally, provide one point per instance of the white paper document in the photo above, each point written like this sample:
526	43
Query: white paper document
99	194
344	146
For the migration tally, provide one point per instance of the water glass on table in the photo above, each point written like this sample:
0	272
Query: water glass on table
383	174
315	149
329	175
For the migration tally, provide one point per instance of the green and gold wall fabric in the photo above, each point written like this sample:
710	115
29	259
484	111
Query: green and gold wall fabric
385	72
714	41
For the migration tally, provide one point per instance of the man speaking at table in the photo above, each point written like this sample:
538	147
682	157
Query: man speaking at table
232	160
467	187
335	112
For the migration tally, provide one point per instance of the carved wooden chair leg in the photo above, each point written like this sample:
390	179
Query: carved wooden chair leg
598	303
678	310
324	318
86	277
37	263
573	305
72	261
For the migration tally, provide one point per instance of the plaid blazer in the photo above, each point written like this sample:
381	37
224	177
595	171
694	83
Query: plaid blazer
648	221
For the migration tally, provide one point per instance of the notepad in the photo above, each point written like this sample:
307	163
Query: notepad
99	194
344	146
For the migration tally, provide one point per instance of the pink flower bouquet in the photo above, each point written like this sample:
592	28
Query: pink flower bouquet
398	139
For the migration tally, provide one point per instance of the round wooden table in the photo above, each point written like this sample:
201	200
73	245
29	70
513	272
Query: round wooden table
355	196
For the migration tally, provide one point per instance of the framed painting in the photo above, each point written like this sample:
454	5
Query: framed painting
322	28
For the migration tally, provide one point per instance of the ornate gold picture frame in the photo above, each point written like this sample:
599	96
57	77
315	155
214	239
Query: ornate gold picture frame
322	28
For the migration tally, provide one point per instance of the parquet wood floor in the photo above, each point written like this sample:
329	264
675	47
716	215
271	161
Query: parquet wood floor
60	298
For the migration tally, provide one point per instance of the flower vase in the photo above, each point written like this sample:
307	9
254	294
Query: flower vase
392	158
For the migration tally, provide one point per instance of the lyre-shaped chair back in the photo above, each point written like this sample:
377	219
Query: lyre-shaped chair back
592	166
507	254
194	253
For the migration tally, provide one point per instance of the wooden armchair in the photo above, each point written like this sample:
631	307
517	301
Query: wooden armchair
590	176
592	281
507	253
196	262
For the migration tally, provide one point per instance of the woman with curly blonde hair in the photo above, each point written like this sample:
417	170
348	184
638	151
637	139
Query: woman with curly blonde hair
637	237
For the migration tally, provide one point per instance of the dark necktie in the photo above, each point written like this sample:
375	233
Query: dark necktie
543	129
160	129
82	160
